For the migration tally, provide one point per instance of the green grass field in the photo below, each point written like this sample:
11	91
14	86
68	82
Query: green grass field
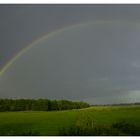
50	123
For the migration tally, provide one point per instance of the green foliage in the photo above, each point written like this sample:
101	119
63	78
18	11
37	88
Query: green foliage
100	121
18	129
87	125
127	128
95	131
120	128
39	105
29	132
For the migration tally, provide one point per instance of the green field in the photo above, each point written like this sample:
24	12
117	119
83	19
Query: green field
50	123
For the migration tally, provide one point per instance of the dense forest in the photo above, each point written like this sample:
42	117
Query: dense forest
39	105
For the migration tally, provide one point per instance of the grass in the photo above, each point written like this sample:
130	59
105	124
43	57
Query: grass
99	119
46	123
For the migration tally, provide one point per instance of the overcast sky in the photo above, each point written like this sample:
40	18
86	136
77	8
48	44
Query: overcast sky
95	58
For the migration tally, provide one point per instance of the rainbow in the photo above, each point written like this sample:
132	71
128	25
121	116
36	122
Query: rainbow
53	33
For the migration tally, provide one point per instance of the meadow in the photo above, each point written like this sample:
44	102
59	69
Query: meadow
98	120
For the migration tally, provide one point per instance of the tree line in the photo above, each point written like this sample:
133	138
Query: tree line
39	105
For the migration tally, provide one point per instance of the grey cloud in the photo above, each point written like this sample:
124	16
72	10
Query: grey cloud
98	64
82	63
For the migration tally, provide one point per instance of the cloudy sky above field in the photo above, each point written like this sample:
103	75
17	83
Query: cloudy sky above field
92	55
